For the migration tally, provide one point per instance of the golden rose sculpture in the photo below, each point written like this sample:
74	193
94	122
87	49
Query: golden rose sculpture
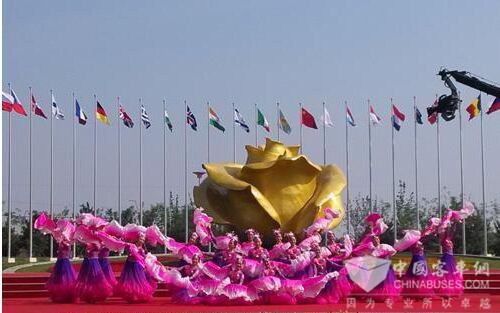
276	188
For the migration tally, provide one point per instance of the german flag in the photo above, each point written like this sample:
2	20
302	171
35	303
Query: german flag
100	114
474	108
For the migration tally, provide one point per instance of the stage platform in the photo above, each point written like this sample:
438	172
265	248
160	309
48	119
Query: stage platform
163	305
25	293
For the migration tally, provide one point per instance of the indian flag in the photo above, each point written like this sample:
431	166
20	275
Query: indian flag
214	119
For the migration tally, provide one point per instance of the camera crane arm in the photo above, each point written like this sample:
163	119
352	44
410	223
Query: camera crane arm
448	104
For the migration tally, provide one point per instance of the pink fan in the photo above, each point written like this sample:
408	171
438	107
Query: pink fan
347	245
410	238
372	218
214	271
133	232
201	218
44	224
111	242
379	227
114	229
85	235
431	226
466	211
383	250
90	220
64	232
154	236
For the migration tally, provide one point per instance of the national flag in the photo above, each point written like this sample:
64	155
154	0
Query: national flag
82	117
56	112
127	121
167	121
145	117
100	114
495	106
35	108
7	101
11	102
214	120
397	118
349	117
418	116
238	119
307	119
374	117
191	120
261	120
327	121
434	116
474	108
283	124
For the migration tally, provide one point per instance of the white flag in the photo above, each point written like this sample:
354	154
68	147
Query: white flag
55	110
326	119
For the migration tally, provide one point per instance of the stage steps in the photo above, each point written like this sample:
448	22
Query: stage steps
32	285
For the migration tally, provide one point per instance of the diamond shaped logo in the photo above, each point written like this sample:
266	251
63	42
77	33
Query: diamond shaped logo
367	271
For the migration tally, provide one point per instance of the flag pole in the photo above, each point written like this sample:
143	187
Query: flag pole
51	209
119	164
95	154
10	259
324	135
278	118
438	165
438	169
208	132
347	173
185	174
74	173
300	115
485	224
165	212
256	129
394	209
140	164
370	156
464	248
30	178
417	208
234	137
208	152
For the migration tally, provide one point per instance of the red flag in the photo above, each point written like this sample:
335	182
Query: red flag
7	101
16	105
495	106
35	108
433	117
307	119
400	115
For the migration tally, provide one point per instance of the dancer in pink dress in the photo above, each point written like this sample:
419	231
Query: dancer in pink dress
258	252
418	280
62	281
92	285
447	274
234	291
249	244
278	251
387	288
133	285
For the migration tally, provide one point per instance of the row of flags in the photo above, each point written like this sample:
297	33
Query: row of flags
10	102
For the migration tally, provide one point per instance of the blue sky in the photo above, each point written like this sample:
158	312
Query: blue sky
244	52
